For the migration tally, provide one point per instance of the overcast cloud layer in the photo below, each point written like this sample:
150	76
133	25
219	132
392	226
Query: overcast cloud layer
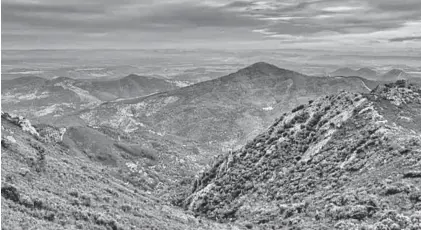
315	24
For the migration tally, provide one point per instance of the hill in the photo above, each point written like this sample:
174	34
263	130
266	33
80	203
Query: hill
344	161
362	72
39	98
367	73
45	185
223	112
344	72
394	74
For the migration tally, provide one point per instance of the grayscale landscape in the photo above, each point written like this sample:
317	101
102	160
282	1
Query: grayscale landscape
214	114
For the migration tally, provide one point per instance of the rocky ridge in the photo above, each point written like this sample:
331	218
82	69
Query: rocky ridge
344	161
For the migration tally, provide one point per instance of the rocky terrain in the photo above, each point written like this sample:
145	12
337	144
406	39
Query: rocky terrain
41	99
344	161
45	185
349	160
221	113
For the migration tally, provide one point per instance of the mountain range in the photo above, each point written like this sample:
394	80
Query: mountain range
347	160
162	133
220	113
276	148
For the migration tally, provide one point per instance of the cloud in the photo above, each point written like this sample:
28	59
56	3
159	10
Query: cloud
207	22
401	39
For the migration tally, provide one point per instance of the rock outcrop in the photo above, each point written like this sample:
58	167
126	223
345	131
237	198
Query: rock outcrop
24	123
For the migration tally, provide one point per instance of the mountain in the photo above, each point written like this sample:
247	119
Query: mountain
344	72
36	97
394	74
367	73
343	161
362	72
220	113
45	185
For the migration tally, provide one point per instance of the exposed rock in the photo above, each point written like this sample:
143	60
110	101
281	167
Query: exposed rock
25	124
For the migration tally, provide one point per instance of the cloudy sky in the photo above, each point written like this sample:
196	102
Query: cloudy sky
307	24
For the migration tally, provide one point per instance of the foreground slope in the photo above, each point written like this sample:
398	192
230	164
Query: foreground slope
223	112
345	161
45	185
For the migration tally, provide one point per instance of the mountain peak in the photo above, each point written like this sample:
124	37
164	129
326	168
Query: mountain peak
396	71
344	71
365	70
263	67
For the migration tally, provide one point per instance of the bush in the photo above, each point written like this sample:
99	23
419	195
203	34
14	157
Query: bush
10	193
300	107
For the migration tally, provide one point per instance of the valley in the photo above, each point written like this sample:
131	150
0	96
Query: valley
180	145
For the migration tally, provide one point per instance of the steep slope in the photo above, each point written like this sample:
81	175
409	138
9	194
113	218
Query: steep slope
39	98
45	185
345	161
220	113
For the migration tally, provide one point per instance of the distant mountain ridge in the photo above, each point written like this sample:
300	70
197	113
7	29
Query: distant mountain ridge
390	76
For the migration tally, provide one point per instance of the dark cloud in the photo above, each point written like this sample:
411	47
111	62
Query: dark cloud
238	4
397	6
401	39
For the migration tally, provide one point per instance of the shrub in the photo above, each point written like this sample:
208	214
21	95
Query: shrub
126	208
11	193
300	107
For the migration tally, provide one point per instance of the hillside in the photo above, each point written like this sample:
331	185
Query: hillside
39	98
45	185
344	161
223	112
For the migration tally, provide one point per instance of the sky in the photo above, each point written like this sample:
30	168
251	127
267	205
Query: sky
366	25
